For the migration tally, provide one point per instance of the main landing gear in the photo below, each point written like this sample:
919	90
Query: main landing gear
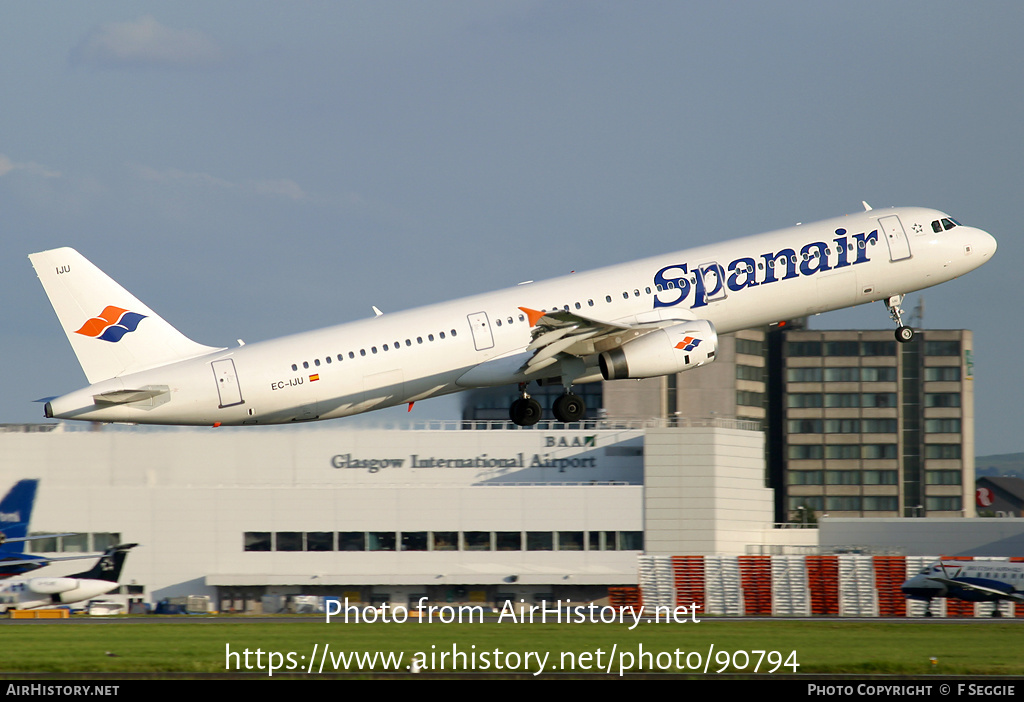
526	411
903	333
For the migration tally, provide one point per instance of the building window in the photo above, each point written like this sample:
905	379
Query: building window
804	426
446	540
803	348
942	399
508	541
570	541
842	348
288	541
880	503
842	399
842	375
351	541
879	451
880	426
477	541
943	477
803	399
842	503
842	452
942	373
941	348
414	541
878	348
878	374
380	541
842	477
942	451
880	477
942	426
952	503
320	541
803	375
539	541
805	452
257	541
805	477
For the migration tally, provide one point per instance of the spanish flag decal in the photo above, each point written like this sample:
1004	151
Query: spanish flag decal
315	377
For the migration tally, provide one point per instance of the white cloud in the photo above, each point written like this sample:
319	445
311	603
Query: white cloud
8	166
147	43
277	188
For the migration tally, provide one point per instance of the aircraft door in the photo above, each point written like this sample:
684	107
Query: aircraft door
227	382
895	237
481	327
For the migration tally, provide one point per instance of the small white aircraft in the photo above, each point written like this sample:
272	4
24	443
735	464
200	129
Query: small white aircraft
32	593
643	319
973	581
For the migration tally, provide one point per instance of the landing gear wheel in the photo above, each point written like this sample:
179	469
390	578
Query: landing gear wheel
904	334
525	412
568	408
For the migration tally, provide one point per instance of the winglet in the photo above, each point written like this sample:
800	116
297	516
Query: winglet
533	315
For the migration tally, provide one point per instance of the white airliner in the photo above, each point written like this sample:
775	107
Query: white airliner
643	319
32	593
973	581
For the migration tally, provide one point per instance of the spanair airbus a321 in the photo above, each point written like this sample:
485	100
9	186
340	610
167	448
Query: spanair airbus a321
648	318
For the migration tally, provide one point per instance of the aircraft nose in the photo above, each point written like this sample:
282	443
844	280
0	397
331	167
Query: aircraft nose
985	244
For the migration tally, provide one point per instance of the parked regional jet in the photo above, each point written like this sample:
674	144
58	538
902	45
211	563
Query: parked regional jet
15	514
974	581
643	319
31	593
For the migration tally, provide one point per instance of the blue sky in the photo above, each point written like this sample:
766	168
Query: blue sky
253	169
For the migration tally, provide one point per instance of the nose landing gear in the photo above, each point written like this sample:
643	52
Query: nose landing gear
904	333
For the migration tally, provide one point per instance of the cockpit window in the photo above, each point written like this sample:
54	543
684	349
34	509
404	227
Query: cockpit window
936	226
948	223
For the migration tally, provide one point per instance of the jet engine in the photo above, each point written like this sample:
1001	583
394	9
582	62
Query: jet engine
668	350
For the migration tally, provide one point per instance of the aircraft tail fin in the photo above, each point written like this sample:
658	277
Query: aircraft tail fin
109	566
15	513
111	331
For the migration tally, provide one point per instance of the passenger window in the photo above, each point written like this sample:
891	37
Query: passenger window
430	337
385	347
305	364
607	298
579	306
453	332
294	367
441	335
328	359
498	321
362	352
351	354
341	357
373	349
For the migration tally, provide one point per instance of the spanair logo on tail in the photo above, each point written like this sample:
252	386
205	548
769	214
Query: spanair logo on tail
111	324
688	344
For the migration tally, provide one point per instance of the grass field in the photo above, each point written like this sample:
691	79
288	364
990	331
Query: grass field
197	645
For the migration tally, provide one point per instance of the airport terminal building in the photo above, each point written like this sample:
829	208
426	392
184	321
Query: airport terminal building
476	515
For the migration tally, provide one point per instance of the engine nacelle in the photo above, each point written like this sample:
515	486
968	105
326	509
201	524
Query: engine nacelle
669	350
52	586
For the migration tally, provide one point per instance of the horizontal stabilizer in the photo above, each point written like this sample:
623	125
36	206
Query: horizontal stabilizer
122	397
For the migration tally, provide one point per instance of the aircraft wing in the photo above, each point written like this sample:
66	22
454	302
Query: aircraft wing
43	559
4	540
949	582
565	332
